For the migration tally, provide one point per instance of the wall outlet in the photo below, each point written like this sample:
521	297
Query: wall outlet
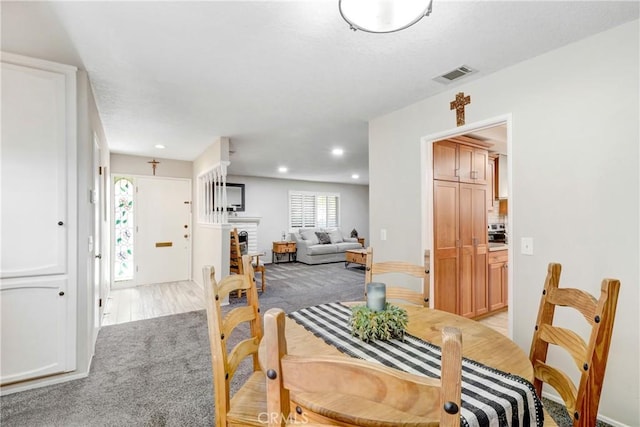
526	246
383	234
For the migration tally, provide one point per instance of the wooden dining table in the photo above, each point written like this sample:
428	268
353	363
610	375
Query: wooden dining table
479	343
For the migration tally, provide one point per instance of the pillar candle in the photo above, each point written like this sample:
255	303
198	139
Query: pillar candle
376	296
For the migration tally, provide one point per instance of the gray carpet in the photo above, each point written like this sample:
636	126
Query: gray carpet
157	372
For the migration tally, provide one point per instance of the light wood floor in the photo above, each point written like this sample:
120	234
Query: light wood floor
163	299
149	301
498	321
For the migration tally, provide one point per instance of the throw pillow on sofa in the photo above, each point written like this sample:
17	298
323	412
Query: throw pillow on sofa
310	235
323	237
335	236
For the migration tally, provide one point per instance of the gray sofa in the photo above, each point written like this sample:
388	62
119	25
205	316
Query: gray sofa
311	250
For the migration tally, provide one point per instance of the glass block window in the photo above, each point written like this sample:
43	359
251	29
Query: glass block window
123	226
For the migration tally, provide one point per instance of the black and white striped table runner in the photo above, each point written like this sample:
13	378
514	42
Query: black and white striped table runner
489	397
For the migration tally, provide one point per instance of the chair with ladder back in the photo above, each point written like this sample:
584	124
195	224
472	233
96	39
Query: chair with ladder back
590	357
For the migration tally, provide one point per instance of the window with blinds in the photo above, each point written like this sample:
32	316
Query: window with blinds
310	210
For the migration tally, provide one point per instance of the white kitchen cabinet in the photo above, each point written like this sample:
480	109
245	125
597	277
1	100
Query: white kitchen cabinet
38	269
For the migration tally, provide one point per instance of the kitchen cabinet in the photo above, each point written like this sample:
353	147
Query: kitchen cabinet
458	160
460	248
38	285
498	279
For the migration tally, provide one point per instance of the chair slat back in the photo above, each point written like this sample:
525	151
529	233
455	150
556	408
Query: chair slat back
396	292
235	253
590	357
224	361
358	380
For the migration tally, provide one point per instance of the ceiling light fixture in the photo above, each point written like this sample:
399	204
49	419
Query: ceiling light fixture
282	169
337	151
383	16
160	146
355	176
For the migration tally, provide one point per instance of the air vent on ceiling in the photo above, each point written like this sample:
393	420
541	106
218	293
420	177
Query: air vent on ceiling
456	74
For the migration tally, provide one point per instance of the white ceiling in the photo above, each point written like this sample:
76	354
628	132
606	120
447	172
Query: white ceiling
286	81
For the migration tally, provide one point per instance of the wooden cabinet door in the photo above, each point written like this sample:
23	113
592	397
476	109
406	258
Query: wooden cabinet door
445	161
466	159
480	166
498	274
445	200
481	248
473	251
467	250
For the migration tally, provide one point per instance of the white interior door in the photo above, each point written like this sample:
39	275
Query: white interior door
163	223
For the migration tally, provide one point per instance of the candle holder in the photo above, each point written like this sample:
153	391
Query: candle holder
376	296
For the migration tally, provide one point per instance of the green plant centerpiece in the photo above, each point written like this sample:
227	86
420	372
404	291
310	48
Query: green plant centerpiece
369	325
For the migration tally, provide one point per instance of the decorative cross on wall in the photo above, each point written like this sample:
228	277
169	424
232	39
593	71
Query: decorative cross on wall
458	105
154	163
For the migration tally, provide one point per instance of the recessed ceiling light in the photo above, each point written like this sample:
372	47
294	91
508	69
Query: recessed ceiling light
355	176
160	146
282	169
337	151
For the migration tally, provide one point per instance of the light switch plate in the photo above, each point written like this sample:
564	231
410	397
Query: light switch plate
526	246
383	234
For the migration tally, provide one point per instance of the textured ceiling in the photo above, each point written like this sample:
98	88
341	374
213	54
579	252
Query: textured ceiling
285	81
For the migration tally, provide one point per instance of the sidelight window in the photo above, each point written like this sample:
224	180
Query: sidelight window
123	227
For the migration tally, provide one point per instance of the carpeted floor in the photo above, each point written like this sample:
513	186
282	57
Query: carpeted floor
157	372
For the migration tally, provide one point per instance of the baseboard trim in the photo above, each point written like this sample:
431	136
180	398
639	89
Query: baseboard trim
41	382
558	399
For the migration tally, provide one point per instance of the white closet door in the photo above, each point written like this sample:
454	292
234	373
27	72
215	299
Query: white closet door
38	226
34	220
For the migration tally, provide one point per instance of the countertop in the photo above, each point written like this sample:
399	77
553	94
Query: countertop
498	247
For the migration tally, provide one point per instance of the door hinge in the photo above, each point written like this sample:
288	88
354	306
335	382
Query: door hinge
99	170
100	302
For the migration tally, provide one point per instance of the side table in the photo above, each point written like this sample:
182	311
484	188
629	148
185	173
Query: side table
279	249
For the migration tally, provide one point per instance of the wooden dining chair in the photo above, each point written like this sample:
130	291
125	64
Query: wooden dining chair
590	357
249	402
235	260
357	384
396	292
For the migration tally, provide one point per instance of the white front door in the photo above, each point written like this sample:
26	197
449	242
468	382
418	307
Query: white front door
162	250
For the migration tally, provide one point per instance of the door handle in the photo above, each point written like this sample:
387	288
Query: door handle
99	256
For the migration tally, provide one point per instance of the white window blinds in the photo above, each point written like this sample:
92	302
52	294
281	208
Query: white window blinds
308	210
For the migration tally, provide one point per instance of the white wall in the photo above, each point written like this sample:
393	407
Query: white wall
269	199
575	183
138	165
207	239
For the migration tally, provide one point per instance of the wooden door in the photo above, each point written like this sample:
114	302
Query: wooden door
38	228
163	239
445	221
445	161
467	252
